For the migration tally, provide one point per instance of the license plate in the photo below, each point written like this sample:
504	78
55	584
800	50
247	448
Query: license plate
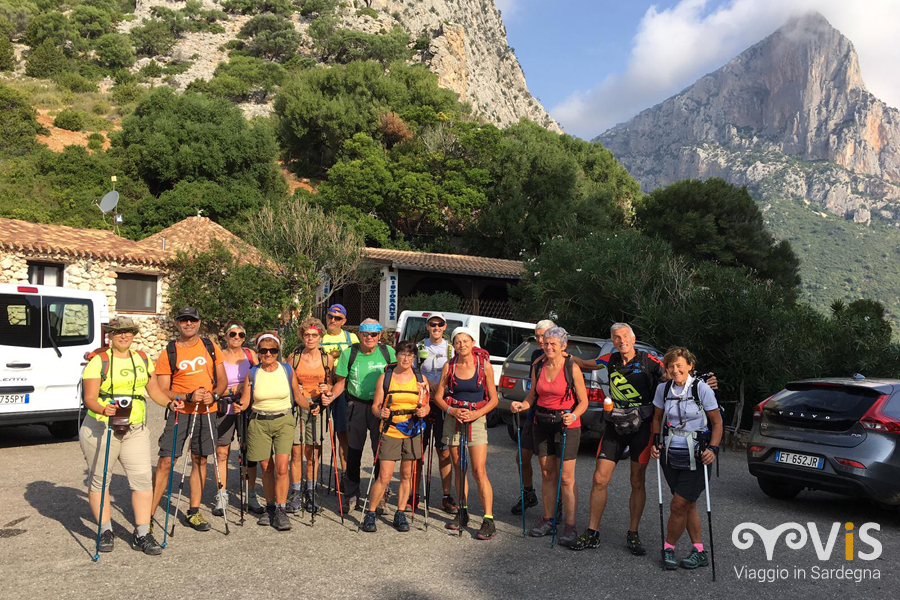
800	460
527	385
14	398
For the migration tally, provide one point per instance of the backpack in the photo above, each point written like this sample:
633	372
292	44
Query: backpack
695	395
172	353
423	353
482	356
389	373
295	362
104	364
354	351
288	371
569	374
248	354
414	425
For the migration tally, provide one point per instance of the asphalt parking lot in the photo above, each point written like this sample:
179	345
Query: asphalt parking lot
47	540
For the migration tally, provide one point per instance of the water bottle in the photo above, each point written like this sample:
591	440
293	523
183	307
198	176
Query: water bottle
607	404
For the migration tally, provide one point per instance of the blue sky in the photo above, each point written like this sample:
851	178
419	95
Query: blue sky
597	63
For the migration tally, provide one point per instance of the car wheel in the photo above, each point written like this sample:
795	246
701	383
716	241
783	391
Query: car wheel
777	489
494	418
63	430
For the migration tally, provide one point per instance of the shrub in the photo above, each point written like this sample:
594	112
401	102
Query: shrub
153	38
369	12
17	14
320	7
151	69
73	120
75	82
90	22
7	54
51	26
114	51
19	123
95	141
46	60
126	93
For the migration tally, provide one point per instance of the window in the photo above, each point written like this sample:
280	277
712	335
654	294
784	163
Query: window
31	321
69	321
20	321
500	340
415	331
135	293
45	273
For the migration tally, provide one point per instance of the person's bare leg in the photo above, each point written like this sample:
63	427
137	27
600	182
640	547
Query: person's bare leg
405	484
527	471
282	480
140	503
602	475
222	464
549	467
678	516
478	456
160	482
638	493
569	492
198	479
385	472
268	477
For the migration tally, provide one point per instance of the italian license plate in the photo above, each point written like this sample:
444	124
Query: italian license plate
800	460
14	398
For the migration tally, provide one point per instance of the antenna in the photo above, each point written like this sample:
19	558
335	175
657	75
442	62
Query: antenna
109	202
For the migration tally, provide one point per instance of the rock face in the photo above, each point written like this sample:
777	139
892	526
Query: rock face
790	116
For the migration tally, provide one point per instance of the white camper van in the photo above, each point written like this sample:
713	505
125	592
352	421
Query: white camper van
45	332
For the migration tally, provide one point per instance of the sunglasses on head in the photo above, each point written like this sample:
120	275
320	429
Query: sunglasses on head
262	351
239	334
188	320
335	317
369	334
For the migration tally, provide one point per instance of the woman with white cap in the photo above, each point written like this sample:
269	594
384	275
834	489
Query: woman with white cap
467	394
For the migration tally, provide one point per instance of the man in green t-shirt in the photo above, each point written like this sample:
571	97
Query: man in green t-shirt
357	372
335	341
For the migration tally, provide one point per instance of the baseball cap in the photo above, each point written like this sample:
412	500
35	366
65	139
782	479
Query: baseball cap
339	308
187	312
437	315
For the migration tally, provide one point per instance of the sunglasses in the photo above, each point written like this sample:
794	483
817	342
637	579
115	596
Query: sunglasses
273	351
240	334
189	320
369	334
436	324
124	332
335	317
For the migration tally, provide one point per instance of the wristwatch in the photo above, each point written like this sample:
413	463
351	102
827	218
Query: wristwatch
715	449
215	396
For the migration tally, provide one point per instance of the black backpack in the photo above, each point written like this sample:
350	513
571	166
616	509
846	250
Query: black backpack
172	353
569	373
354	351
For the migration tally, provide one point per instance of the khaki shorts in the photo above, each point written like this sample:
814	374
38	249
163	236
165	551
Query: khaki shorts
132	449
477	434
400	448
266	437
310	429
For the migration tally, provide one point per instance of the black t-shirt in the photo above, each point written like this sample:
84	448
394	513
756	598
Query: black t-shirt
632	384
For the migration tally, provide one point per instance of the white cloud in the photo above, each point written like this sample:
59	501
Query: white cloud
674	47
507	7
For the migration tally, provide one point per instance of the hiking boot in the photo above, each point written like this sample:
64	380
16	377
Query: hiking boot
633	542
400	522
197	521
544	527
368	524
221	503
530	500
266	519
695	559
487	531
569	535
461	520
147	544
448	505
254	506
107	541
295	502
668	559
280	519
587	540
308	503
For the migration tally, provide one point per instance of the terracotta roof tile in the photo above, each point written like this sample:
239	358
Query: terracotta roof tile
458	264
193	234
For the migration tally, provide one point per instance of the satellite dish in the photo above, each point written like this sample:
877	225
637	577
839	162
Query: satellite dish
109	201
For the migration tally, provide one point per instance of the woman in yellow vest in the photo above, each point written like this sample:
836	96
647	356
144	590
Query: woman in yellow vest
404	406
115	382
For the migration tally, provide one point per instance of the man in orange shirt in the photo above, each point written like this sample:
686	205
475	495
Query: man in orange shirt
193	384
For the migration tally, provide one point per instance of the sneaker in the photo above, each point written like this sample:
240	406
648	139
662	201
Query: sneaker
569	535
695	559
530	500
308	503
400	522
266	519
197	521
280	519
368	524
487	531
221	503
461	520
448	505
254	506
107	541
668	559
147	544
295	502
587	540
633	542
544	527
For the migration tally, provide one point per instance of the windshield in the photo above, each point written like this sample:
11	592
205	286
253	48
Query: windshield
415	331
20	321
845	401
70	321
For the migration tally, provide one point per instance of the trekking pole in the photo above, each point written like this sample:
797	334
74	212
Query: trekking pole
303	478
239	422
662	525
712	551
428	479
384	427
245	484
316	473
562	454
414	489
516	418
103	490
219	486
169	493
463	467
334	464
193	419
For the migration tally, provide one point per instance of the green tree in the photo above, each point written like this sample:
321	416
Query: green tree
90	22
19	123
339	45
714	220
47	60
229	204
114	51
7	55
53	27
240	77
272	37
153	38
18	14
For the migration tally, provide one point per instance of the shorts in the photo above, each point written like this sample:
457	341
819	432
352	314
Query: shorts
132	449
435	422
548	441
225	427
339	413
400	448
201	442
266	437
360	421
477	433
684	482
308	434
612	444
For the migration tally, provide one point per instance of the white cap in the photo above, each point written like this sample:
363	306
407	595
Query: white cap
464	330
437	315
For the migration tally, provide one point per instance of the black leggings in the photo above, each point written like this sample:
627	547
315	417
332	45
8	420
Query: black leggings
354	462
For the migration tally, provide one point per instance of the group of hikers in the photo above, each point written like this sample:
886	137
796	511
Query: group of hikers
412	401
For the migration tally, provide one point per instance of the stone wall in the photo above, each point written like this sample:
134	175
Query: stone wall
100	275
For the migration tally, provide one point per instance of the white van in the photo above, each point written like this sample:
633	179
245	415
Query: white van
45	332
498	336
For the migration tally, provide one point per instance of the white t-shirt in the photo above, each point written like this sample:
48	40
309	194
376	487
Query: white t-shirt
431	358
680	408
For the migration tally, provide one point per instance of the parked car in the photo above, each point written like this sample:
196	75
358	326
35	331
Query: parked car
838	435
498	336
515	381
44	334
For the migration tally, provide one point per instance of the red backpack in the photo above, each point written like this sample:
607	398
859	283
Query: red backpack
482	357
